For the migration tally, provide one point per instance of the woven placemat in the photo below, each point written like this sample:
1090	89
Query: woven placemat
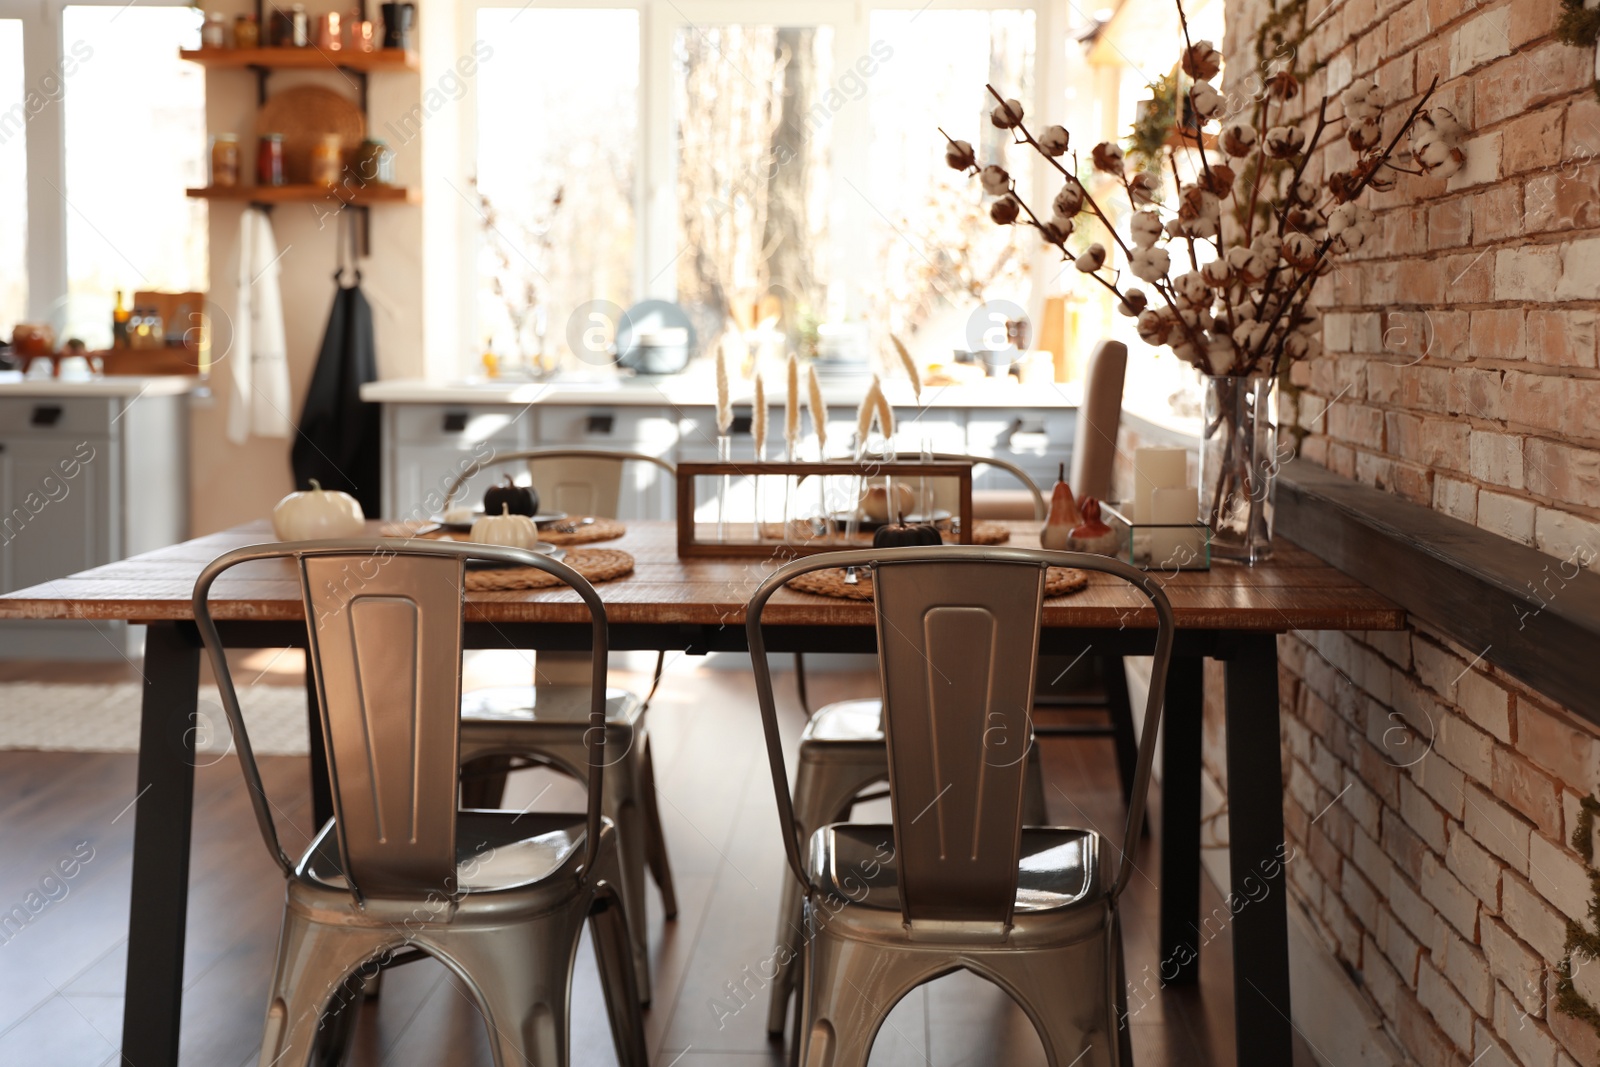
829	581
595	564
596	530
990	533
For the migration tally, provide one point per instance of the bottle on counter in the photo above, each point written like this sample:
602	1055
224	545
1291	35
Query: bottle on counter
119	323
214	31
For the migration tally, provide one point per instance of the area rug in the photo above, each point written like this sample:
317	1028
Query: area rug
105	718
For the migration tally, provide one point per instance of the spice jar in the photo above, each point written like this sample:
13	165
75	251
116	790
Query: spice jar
246	32
327	160
214	31
225	160
269	159
301	23
374	163
329	36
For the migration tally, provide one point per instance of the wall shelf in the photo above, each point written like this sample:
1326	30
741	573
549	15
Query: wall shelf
384	59
359	196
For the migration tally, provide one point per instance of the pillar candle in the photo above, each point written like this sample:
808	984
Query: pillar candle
1156	468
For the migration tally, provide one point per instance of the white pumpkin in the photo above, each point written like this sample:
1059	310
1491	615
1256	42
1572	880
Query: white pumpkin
512	531
317	513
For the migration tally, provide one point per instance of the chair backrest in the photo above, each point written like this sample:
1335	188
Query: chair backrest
384	641
958	638
1094	447
578	481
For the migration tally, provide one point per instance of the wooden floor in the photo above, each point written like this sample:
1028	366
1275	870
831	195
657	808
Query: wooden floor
61	976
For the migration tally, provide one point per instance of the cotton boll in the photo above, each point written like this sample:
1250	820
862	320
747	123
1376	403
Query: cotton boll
1200	211
1007	115
1192	290
1300	251
1005	210
1108	158
1201	60
1221	354
1069	201
1150	264
959	155
1284	142
1054	141
1092	258
1145	229
1362	100
1153	328
995	179
1133	302
1216	273
1364	134
1144	187
1055	232
1205	99
1239	140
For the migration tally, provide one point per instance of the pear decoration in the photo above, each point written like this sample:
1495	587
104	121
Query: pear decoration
1064	515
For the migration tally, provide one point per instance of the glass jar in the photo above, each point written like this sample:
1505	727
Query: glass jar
1239	462
269	159
225	160
214	31
246	32
301	24
374	163
327	160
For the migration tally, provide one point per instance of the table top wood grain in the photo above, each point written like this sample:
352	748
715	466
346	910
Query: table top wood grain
1292	591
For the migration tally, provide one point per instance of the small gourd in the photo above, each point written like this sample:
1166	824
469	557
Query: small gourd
904	534
512	531
317	513
1064	515
1092	534
510	497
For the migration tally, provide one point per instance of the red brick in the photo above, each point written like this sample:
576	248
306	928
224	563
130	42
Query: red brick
1532	141
1498	334
1581	142
1497	211
1565	199
1450	223
1561	338
1469	278
1514	85
1528	790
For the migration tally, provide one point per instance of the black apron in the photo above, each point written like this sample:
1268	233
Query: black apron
338	439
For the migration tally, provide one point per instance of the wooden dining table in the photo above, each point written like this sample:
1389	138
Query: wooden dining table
1229	613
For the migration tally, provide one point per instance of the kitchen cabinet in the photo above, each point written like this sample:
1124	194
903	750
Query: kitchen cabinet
88	474
430	429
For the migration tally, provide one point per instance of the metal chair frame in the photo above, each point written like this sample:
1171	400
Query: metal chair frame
504	744
922	943
330	932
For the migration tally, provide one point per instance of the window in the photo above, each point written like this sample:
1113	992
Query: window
770	157
556	162
105	126
136	139
13	180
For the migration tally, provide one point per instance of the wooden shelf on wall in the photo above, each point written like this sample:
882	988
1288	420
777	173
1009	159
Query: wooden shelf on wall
305	194
384	59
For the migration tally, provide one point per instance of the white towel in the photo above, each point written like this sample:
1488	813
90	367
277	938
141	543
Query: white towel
259	403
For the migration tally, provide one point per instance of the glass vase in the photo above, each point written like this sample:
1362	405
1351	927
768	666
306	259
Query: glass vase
1239	466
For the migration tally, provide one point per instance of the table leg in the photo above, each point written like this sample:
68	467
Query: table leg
321	789
1256	856
1180	821
153	991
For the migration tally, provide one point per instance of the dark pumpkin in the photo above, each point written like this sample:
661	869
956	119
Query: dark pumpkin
904	534
509	498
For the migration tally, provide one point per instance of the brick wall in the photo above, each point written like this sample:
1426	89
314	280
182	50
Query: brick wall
1460	373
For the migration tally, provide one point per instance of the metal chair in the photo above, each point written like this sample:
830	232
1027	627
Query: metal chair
956	881
399	872
842	753
544	724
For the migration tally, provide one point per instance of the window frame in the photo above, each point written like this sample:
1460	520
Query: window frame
654	196
44	48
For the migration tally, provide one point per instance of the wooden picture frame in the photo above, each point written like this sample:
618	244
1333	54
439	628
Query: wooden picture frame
690	539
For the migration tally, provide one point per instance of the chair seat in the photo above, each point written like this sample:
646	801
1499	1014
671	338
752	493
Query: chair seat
1059	866
846	720
495	851
567	705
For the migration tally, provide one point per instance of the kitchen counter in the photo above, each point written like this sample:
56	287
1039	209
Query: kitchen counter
133	385
692	390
